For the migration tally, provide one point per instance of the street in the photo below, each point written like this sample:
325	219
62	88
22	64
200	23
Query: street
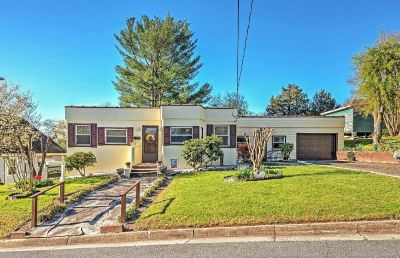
349	248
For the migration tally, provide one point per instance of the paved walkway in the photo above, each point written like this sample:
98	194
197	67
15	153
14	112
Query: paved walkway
378	168
100	208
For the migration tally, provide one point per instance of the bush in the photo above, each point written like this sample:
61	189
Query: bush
80	161
286	149
351	156
42	183
247	174
396	155
243	154
198	152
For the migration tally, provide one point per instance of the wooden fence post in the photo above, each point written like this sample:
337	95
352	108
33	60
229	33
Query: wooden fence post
137	201
34	211
123	208
62	192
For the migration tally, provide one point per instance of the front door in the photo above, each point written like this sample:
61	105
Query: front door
150	144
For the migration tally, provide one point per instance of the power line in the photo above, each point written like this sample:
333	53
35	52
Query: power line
239	72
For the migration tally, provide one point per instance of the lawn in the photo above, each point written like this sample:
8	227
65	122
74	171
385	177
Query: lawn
390	144
16	212
305	194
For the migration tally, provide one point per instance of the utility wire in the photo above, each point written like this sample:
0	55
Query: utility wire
239	71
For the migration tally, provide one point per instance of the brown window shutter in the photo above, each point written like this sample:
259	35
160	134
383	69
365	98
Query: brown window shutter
167	135
196	132
232	136
101	135
130	135
71	135
93	134
210	130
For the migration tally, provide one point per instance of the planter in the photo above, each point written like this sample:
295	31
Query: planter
369	156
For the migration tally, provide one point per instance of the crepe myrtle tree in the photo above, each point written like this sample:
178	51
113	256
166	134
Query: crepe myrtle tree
257	145
23	135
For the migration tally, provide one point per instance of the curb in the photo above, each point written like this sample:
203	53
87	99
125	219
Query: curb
272	231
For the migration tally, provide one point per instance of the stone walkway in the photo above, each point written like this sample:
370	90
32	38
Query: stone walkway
378	168
100	208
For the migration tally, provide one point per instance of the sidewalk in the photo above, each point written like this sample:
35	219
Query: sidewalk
100	208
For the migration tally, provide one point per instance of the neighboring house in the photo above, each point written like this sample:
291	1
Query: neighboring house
145	135
356	124
55	153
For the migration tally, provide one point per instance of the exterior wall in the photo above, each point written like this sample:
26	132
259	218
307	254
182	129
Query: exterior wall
349	119
6	178
363	124
290	127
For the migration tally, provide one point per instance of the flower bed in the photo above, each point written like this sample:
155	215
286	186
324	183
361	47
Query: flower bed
369	156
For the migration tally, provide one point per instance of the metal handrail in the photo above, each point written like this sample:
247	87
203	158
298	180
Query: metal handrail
123	199
35	200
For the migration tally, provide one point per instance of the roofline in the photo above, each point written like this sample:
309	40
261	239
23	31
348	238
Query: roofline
291	116
336	110
172	105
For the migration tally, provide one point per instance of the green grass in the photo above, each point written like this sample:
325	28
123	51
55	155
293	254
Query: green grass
13	213
390	144
305	194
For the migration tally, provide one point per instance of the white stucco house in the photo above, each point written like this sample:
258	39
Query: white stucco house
117	135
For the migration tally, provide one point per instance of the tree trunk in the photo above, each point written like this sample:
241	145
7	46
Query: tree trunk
377	135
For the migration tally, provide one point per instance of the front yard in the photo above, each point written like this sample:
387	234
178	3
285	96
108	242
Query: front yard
388	143
16	212
305	194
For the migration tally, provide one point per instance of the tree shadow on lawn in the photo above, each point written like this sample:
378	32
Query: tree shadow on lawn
323	173
164	209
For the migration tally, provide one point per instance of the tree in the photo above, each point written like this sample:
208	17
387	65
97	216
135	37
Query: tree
199	152
159	64
257	145
80	161
292	101
23	135
377	83
230	99
59	132
322	102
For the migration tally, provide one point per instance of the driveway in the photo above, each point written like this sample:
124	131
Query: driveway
378	168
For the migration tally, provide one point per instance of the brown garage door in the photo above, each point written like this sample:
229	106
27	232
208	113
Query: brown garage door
316	146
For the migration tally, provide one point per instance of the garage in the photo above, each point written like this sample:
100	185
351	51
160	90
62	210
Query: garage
316	146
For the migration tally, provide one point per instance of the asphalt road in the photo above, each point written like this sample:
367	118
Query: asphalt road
369	248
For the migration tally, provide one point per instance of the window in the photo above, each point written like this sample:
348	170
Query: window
116	136
223	132
277	141
181	134
82	135
240	141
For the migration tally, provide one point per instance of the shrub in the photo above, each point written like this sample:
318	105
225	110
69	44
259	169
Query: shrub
42	183
286	149
396	155
351	156
246	173
80	161
243	154
197	152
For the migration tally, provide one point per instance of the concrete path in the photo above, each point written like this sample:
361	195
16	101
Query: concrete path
100	208
377	168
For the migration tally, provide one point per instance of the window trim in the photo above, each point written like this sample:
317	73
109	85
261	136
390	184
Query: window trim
170	134
115	143
279	142
229	134
90	135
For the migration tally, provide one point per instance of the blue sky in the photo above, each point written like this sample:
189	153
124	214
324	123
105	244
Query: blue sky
63	51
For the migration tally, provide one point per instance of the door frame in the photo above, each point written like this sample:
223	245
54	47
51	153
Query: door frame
157	143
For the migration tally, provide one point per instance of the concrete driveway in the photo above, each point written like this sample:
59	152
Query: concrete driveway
377	168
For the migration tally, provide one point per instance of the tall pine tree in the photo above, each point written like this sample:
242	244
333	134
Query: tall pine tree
322	102
159	64
292	101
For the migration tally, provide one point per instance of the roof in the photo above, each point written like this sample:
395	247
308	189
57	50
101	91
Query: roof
351	103
53	147
290	116
336	110
135	107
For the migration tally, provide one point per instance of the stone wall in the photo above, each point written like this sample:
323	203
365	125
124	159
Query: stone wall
369	156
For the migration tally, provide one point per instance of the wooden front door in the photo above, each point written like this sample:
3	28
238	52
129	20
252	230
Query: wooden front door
150	144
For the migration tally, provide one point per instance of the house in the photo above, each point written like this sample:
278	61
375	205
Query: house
117	135
55	153
356	124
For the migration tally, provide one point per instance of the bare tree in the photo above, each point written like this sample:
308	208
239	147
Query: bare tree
20	134
257	145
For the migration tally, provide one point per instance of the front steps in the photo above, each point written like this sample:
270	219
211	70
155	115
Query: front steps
144	169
